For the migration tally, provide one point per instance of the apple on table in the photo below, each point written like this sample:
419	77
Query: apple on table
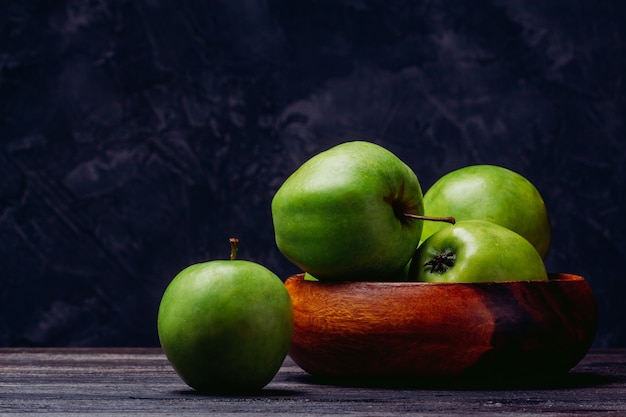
226	325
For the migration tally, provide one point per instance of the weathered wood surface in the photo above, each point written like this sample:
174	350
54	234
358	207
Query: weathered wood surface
141	382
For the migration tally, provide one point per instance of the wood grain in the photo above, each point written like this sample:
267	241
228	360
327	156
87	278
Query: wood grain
427	331
136	382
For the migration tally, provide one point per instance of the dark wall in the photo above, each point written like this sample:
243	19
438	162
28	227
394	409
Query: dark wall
136	137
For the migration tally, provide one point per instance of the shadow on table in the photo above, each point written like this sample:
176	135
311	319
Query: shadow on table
543	382
263	393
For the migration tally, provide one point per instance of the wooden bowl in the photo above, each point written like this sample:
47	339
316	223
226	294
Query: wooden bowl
415	331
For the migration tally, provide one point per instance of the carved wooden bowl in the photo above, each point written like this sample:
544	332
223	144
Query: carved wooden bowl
428	332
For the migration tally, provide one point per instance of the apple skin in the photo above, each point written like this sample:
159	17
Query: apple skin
226	325
491	193
477	251
339	216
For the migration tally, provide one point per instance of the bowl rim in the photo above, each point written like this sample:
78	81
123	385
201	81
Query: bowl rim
560	277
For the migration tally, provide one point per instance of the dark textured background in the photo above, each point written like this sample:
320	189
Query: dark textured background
137	136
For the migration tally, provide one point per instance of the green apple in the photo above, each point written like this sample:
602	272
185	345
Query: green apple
345	214
476	251
226	325
491	193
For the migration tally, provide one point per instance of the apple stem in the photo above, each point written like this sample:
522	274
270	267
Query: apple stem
234	245
450	220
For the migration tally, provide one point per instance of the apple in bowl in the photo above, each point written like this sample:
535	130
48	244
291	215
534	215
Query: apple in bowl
379	300
490	193
352	212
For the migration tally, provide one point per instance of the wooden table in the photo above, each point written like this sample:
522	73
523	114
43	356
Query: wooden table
141	382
